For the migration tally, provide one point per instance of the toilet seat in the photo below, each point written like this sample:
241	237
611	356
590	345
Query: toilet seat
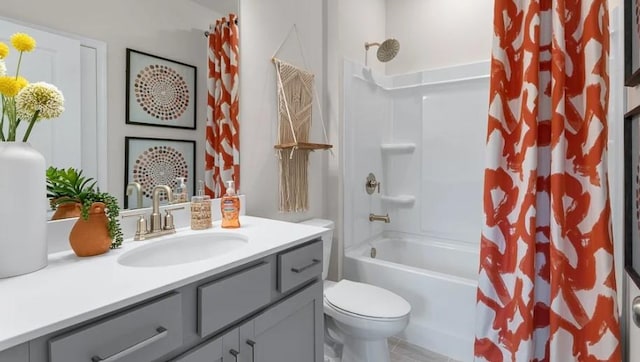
366	301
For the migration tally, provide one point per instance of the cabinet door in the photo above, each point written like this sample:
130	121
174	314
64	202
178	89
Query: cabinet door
292	330
210	351
230	346
221	349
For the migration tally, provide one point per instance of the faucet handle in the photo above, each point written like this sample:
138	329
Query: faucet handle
168	217
141	225
371	184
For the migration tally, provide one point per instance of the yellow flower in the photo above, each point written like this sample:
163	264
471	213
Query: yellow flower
4	50
9	86
22	82
23	42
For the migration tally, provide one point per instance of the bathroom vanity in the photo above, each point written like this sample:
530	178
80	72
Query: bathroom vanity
259	302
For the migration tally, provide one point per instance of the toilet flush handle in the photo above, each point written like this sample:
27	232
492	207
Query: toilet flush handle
635	309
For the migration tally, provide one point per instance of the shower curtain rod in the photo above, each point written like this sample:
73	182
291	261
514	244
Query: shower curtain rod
207	32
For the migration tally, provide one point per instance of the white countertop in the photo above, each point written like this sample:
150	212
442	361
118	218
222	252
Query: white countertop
72	289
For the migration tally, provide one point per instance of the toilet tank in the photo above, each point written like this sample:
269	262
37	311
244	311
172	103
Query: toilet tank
327	240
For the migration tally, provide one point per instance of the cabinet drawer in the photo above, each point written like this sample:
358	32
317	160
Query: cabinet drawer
299	265
142	334
227	300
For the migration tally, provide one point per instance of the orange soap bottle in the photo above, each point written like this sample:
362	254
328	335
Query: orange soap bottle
230	208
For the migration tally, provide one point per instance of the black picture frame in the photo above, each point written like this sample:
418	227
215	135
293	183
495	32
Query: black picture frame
631	43
632	194
158	161
160	92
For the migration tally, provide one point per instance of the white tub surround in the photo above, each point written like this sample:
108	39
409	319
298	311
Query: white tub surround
71	289
422	136
437	277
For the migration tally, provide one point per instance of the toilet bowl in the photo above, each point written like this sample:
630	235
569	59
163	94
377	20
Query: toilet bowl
358	316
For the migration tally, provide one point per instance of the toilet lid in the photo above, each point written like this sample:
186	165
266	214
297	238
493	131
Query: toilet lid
366	300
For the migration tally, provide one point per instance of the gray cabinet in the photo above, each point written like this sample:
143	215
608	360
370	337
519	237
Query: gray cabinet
299	265
223	301
292	330
221	349
268	310
142	334
19	353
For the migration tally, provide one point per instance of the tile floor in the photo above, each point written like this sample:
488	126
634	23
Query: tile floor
402	351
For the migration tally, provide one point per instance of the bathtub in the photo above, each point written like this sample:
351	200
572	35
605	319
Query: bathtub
437	277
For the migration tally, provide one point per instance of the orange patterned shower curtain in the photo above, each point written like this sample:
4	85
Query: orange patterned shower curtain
222	150
547	289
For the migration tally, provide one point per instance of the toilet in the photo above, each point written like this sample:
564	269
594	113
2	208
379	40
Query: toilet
358	316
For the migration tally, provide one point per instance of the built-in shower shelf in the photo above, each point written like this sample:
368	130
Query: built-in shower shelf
398	148
399	200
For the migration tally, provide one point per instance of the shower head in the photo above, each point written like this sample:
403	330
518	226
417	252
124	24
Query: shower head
386	51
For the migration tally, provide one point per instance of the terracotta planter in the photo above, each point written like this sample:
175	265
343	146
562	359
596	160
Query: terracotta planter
66	211
91	237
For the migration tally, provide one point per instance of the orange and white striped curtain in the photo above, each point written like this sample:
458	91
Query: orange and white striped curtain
222	150
547	288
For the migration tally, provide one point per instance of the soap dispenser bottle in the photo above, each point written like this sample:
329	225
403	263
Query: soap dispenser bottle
180	195
200	209
230	208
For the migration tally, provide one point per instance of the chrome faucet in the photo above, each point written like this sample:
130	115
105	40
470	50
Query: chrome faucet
134	186
155	222
374	217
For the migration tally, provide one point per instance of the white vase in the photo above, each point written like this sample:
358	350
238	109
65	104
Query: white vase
23	215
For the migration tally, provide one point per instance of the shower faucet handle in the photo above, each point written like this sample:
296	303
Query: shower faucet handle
372	184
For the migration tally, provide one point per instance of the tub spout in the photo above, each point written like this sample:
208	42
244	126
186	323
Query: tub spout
374	217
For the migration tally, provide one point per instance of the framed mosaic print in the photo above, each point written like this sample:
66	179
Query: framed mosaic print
156	161
160	92
632	42
632	194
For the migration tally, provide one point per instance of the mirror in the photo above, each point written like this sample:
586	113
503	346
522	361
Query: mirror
98	41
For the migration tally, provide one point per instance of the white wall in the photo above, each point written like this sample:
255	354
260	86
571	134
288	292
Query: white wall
264	26
362	21
348	25
439	33
167	28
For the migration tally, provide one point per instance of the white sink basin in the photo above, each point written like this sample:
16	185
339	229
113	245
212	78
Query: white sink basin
182	249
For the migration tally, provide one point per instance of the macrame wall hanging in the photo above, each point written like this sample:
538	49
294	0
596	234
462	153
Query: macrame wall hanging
295	99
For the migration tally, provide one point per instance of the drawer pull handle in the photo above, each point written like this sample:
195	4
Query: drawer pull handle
253	350
313	263
234	353
162	332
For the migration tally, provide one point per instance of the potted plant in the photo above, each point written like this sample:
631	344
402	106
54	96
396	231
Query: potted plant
98	228
64	188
